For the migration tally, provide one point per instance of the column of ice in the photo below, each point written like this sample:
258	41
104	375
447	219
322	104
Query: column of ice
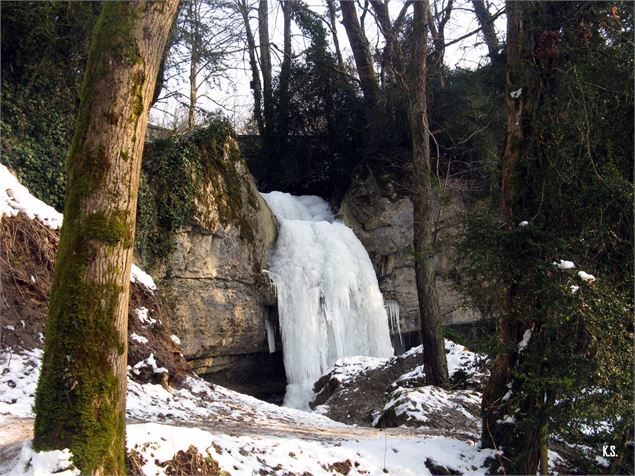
329	303
392	308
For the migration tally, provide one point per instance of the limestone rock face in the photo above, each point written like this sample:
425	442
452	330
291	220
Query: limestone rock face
212	278
383	221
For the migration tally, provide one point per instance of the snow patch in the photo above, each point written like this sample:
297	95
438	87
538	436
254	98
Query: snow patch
522	345
586	277
142	314
34	463
138	338
16	198
564	264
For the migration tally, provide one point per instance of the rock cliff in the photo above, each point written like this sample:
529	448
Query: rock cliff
215	251
382	218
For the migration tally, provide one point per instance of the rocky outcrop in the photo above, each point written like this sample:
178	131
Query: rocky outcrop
212	276
382	218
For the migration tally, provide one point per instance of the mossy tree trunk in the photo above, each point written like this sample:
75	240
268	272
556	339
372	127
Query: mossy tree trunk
435	364
80	399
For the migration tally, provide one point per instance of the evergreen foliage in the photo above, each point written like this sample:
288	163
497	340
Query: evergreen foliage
176	172
576	195
44	53
325	123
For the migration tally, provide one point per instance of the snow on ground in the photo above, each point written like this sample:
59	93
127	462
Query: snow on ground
16	198
32	463
243	434
249	455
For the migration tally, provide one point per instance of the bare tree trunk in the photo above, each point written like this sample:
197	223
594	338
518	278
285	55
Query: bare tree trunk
392	60
195	45
438	40
361	53
330	5
486	22
256	85
282	129
81	395
435	364
265	66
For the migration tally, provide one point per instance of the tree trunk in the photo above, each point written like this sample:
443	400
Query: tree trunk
438	41
81	394
330	5
509	333
486	22
282	129
544	449
391	58
256	85
195	45
361	53
265	67
435	364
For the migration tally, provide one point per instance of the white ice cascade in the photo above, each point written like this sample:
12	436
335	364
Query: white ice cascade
329	303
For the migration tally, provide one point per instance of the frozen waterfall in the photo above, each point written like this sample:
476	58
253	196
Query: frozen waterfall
329	303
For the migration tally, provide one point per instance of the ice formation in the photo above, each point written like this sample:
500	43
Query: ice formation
329	303
392	308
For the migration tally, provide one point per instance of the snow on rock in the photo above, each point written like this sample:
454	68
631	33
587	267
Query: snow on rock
432	407
244	435
33	463
347	368
459	358
564	264
15	198
586	277
329	303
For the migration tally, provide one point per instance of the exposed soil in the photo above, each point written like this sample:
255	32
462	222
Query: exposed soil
355	401
27	260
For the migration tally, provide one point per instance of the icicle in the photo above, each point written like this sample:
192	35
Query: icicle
329	303
271	336
392	308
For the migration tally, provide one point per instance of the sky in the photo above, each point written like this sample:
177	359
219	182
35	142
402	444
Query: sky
232	96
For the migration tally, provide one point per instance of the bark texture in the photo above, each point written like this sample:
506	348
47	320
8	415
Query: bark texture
80	400
361	54
435	364
265	65
256	85
508	332
486	21
195	59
